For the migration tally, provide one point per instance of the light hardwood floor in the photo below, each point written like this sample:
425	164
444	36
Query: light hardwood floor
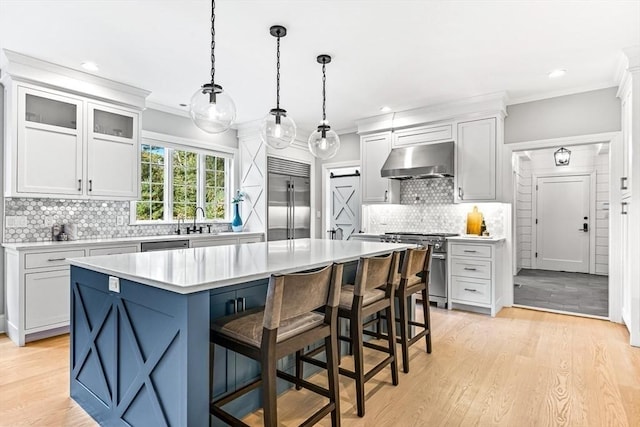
522	368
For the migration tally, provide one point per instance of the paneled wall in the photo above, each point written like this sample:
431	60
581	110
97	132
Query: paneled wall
602	214
523	213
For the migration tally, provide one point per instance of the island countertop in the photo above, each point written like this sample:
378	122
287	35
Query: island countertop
186	271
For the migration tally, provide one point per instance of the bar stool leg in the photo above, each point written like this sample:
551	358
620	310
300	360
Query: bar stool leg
331	346
426	310
391	336
299	369
404	331
269	381
358	362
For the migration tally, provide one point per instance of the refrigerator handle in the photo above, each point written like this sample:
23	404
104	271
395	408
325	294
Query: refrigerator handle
288	208
292	208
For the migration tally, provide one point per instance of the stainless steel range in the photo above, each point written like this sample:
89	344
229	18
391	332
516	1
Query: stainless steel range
438	276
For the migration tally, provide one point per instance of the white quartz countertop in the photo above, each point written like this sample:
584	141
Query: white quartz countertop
115	240
476	239
197	269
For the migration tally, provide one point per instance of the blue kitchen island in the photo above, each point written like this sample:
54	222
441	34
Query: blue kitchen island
140	325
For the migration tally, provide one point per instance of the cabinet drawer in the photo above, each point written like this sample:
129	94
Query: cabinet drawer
471	268
212	242
422	135
46	298
461	249
250	239
51	259
113	251
472	290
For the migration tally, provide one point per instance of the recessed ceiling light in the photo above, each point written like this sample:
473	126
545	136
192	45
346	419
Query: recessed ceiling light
385	109
557	73
90	66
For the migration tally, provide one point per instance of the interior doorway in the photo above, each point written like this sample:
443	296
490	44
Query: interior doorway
561	230
341	199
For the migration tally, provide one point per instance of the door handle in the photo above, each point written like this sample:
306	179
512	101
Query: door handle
623	183
625	209
79	185
585	228
90	185
460	193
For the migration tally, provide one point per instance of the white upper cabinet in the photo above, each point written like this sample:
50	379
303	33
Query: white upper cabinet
374	152
49	152
113	153
423	134
69	134
476	161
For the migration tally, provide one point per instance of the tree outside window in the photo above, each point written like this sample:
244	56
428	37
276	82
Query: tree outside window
174	182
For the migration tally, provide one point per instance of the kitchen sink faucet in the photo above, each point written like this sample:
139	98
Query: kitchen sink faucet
195	229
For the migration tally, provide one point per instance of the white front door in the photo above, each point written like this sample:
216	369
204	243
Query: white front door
562	210
345	204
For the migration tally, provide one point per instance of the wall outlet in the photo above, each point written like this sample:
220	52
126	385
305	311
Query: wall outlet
120	220
114	284
16	221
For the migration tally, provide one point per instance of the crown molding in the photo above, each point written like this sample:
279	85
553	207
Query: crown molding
492	103
24	68
564	92
167	109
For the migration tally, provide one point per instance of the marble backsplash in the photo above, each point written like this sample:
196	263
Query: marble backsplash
94	219
426	205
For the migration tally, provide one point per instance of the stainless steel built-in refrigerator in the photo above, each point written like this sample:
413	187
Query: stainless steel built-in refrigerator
289	199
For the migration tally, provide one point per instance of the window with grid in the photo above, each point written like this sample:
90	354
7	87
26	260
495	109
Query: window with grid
152	181
175	181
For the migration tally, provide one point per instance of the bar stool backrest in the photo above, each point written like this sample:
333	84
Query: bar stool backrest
291	295
375	272
416	261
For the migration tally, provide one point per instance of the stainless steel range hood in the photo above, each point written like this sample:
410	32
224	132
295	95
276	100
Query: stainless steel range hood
419	161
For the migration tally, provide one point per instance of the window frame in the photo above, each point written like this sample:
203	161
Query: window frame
202	149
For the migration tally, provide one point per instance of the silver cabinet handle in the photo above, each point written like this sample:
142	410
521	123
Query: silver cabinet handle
625	209
470	290
79	185
460	193
623	183
470	269
386	195
56	259
471	252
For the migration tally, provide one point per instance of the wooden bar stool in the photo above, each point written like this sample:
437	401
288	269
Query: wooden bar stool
288	322
414	278
372	292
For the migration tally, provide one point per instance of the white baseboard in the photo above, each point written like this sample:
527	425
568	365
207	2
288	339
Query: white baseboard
3	324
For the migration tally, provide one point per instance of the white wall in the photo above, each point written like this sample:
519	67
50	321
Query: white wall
2	208
583	113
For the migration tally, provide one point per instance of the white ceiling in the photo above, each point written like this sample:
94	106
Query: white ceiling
403	54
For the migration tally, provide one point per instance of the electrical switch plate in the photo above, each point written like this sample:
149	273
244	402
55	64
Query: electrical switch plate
120	220
114	284
16	221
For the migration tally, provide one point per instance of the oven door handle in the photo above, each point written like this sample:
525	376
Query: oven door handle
438	256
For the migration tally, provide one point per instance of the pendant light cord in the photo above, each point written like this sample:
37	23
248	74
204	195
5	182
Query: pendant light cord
213	42
278	75
324	94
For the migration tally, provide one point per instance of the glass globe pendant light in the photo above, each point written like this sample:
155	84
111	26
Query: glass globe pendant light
277	129
324	143
211	108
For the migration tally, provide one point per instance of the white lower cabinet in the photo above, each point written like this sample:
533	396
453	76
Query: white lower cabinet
475	273
37	289
46	299
204	243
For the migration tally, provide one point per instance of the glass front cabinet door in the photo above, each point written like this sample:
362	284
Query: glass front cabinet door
112	152
49	150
